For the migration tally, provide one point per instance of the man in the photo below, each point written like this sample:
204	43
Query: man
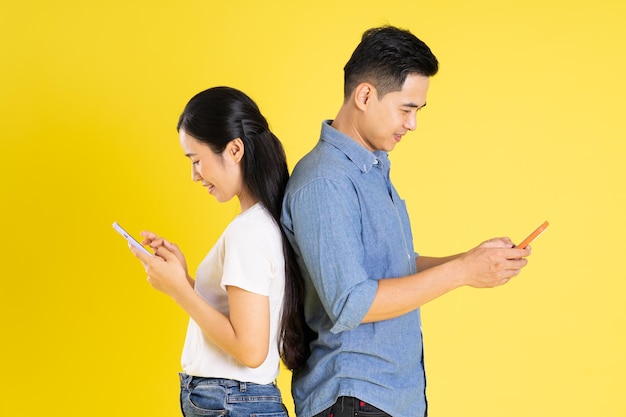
351	232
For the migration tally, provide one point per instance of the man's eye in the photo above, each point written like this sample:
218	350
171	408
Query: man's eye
195	162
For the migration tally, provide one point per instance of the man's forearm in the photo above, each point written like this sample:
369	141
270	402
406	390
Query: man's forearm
423	263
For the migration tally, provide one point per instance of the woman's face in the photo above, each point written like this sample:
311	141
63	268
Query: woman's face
219	173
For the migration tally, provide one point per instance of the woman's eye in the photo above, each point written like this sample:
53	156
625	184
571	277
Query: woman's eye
195	162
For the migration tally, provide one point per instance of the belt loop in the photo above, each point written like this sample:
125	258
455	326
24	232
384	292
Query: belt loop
243	387
186	379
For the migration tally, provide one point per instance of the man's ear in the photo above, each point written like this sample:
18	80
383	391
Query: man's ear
234	150
363	93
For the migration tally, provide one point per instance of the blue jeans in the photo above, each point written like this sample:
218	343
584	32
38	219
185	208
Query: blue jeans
228	398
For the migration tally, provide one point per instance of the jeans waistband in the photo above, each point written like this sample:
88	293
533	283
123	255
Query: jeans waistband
191	380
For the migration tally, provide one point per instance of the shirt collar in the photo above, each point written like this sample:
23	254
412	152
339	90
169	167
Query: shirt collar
363	158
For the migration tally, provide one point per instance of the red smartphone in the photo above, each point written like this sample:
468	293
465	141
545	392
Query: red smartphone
533	235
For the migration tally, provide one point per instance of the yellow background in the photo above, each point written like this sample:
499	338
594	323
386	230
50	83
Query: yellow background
525	123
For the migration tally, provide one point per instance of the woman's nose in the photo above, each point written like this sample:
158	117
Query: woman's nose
195	175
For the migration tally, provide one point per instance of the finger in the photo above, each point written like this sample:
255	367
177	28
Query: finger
172	247
156	243
148	236
504	242
517	263
518	253
514	268
498	242
141	255
165	253
507	242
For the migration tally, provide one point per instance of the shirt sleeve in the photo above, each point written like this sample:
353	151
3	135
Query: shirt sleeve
326	221
248	260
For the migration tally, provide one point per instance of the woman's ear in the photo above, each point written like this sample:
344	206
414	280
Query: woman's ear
234	150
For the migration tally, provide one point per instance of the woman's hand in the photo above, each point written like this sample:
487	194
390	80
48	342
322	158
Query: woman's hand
155	242
167	270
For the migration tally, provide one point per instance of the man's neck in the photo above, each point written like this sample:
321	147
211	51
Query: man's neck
346	123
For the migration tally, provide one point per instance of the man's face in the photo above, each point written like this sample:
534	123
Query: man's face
386	121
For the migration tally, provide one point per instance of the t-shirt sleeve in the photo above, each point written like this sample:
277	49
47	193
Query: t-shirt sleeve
249	258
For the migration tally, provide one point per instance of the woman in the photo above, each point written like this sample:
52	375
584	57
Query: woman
245	303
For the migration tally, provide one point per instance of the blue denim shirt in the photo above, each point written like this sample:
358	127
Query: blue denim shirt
349	229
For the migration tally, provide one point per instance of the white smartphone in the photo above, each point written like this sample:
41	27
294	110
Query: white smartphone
130	239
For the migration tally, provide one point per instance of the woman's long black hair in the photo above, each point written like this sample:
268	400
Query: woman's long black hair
217	116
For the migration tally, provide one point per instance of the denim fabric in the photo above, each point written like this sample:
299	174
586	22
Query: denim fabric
214	397
350	228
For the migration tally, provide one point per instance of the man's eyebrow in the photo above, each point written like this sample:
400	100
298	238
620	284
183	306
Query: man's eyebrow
189	155
413	105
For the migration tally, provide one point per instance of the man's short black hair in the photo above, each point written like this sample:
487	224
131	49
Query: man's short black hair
384	58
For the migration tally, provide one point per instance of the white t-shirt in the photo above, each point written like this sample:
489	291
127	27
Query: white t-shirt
248	255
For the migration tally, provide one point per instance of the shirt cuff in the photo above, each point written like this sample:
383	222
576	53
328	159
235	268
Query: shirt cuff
356	307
